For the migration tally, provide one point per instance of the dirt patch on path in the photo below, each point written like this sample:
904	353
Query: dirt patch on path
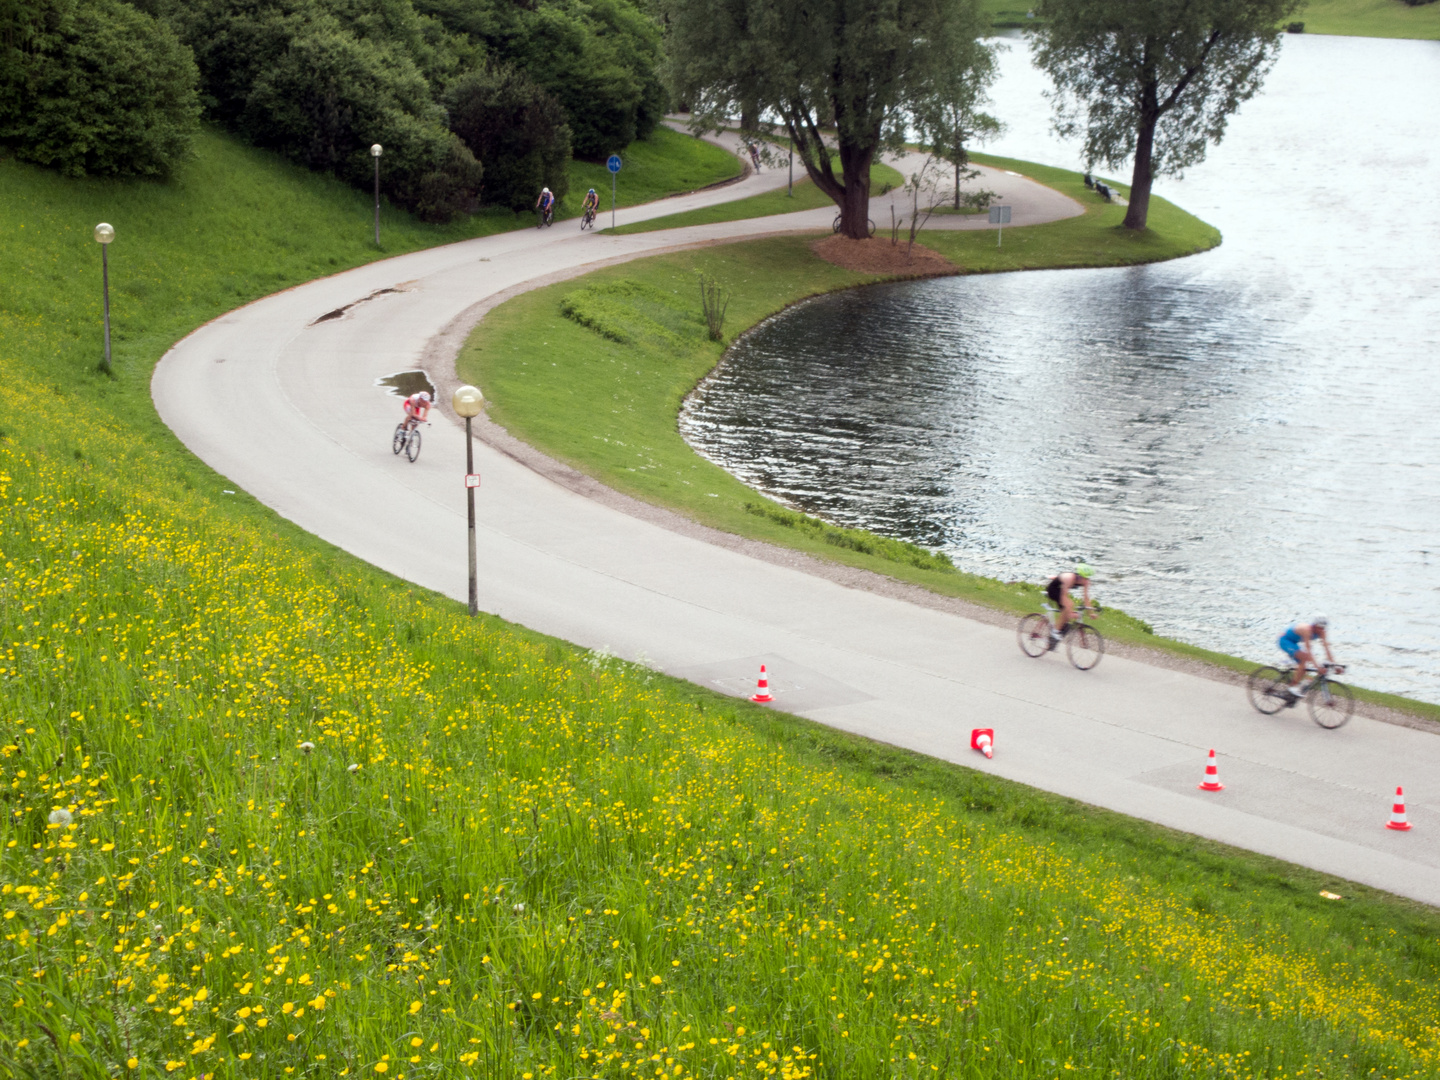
882	257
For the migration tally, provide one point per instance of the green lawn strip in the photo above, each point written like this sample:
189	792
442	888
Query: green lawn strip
667	163
534	839
806	197
1355	18
1371	18
544	374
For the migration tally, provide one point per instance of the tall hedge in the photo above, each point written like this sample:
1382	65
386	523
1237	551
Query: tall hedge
95	87
517	130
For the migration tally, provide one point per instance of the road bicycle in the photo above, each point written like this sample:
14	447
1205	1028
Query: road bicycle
1084	644
547	216
1331	703
835	225
407	438
587	221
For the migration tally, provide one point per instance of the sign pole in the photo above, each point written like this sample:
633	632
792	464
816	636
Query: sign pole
470	511
613	164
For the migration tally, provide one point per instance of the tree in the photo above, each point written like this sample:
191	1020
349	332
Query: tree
518	132
949	120
860	67
95	87
1155	80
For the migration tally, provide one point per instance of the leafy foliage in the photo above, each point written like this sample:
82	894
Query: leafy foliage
599	58
95	87
864	70
628	311
517	129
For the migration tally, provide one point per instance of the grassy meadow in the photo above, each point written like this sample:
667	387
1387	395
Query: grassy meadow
272	813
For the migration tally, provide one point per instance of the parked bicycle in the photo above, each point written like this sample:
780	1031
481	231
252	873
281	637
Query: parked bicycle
407	438
1331	703
1084	644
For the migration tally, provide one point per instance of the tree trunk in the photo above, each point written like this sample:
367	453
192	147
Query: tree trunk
1144	174
855	197
749	116
957	182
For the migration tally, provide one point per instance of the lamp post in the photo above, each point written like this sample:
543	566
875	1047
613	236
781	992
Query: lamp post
467	401
375	151
104	234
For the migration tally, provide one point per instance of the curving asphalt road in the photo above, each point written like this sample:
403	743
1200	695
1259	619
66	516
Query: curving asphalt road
284	404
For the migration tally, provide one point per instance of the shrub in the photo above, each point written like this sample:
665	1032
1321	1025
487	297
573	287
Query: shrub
518	132
95	87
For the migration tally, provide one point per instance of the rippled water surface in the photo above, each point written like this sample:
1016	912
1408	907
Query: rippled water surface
1233	439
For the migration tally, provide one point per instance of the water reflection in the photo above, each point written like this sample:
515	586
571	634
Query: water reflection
1235	439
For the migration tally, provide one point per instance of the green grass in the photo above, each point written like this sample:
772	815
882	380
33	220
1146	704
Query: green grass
1358	18
667	163
806	197
1371	18
504	855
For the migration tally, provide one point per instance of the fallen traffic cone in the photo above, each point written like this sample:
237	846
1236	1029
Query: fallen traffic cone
1397	813
762	692
1212	776
983	739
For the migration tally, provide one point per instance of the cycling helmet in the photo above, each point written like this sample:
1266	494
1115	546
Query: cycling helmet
591	191
1085	570
424	395
545	191
1320	620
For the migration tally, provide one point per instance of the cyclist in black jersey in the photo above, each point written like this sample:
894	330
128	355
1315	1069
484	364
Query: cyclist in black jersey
1059	589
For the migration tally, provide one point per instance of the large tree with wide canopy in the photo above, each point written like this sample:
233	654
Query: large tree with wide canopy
1154	80
845	78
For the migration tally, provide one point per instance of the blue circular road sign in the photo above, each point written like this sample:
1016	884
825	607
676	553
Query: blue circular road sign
614	163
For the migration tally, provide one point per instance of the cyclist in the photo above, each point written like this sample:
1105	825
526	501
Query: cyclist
545	204
1298	643
592	201
1059	593
417	408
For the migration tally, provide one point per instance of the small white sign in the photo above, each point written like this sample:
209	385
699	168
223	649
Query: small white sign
472	480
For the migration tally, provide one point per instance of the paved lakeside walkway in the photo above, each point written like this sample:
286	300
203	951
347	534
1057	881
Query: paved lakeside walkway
287	409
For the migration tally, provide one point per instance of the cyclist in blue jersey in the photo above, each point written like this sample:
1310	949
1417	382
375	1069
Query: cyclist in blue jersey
1298	643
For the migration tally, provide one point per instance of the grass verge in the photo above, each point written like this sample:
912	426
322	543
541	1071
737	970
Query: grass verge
310	821
806	197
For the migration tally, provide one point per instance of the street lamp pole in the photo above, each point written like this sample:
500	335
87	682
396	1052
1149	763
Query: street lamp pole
104	234
375	151
467	402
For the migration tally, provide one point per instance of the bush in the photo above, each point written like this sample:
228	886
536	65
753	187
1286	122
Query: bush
518	132
599	58
95	87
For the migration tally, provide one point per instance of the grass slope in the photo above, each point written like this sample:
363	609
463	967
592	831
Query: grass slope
664	164
503	856
806	197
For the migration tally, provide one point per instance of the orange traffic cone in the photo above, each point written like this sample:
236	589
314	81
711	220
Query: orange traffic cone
1397	813
762	692
983	739
1212	776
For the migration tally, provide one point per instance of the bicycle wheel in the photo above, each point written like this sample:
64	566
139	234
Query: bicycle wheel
412	448
1331	703
872	226
1034	635
835	227
1266	689
1084	645
398	442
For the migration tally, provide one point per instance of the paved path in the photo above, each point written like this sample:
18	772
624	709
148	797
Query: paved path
286	408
